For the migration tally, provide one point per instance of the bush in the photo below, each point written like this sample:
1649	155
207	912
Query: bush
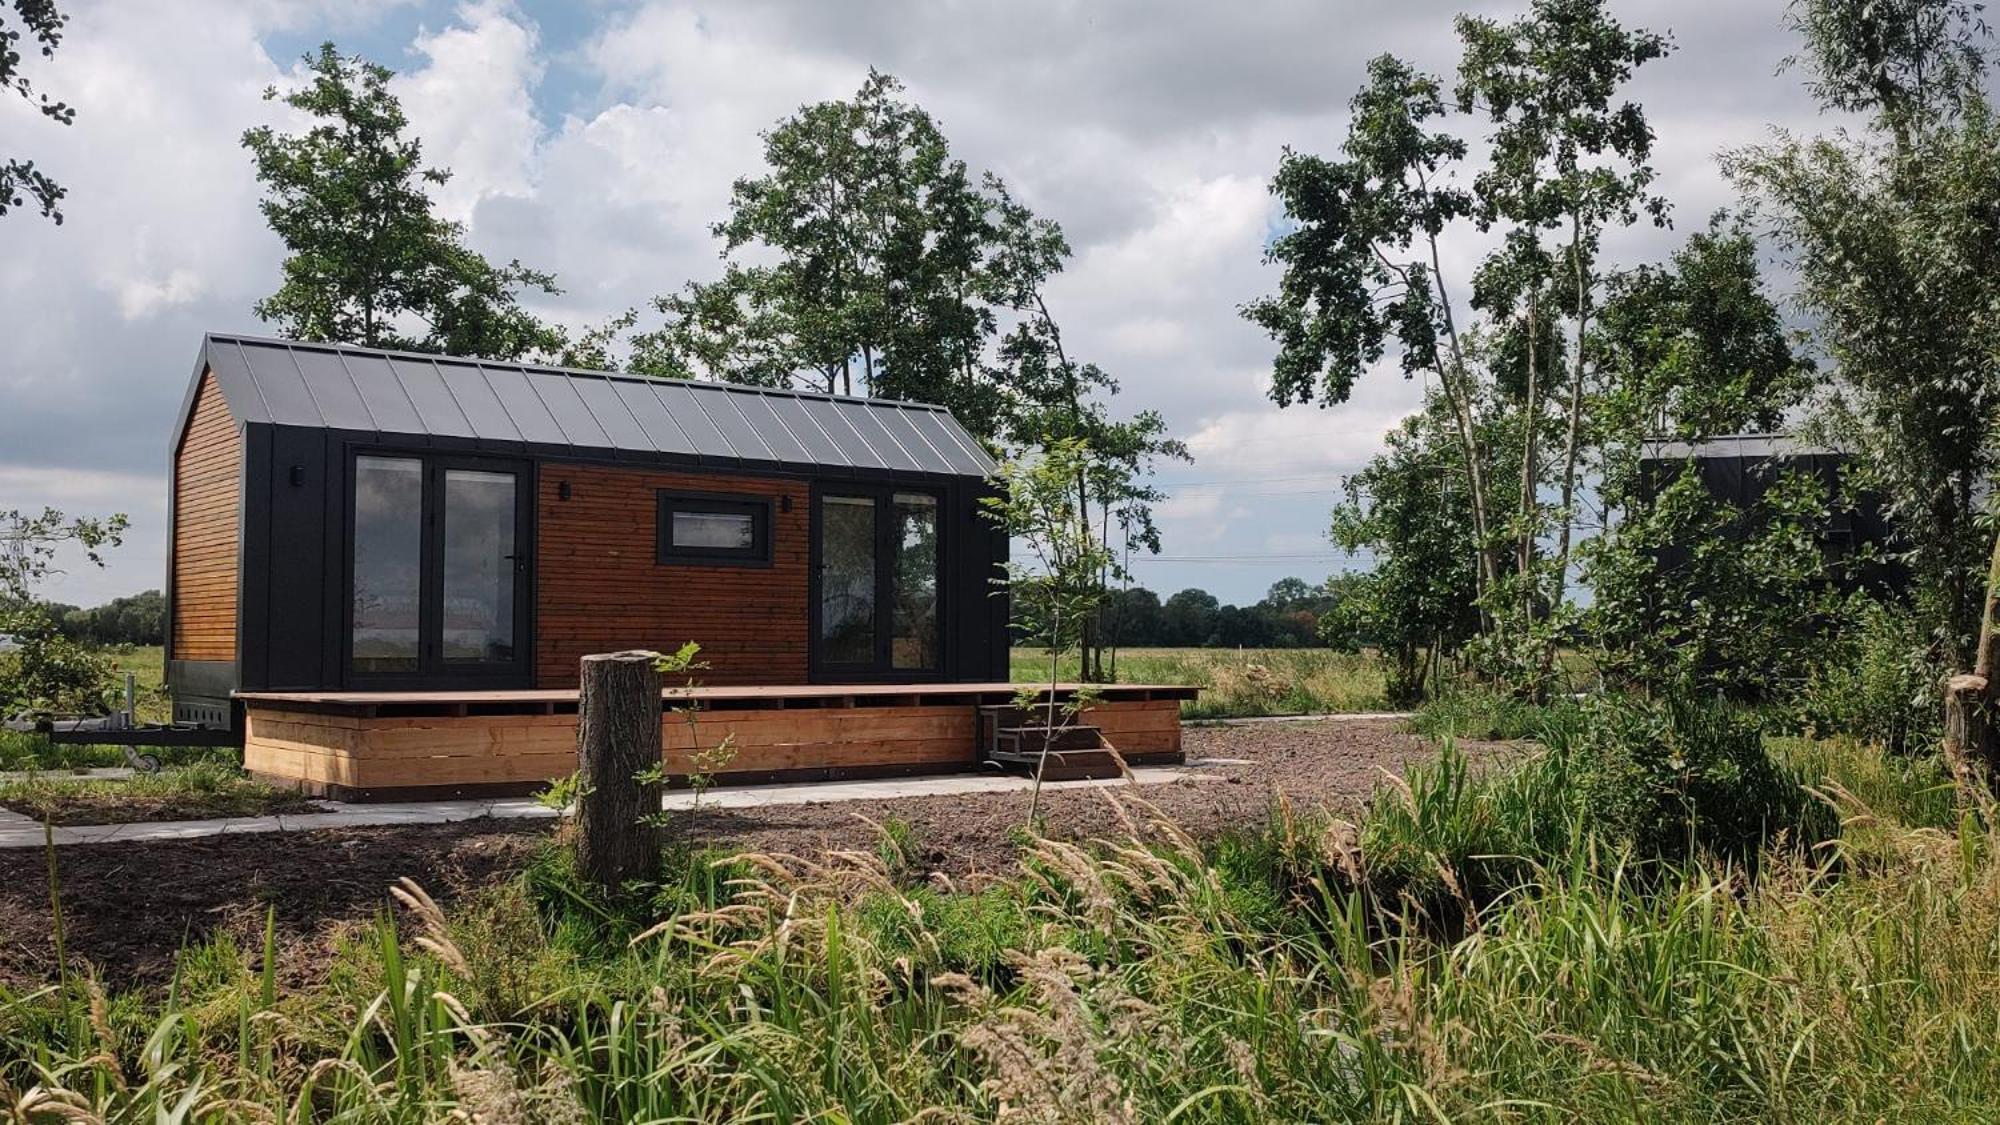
1488	715
1655	779
1676	776
49	672
1876	683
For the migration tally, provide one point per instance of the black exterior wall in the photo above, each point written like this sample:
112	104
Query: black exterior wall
1742	480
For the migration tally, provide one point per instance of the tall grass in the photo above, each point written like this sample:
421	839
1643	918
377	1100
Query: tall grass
1242	682
1302	973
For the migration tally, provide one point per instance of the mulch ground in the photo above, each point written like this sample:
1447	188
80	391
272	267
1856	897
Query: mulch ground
128	908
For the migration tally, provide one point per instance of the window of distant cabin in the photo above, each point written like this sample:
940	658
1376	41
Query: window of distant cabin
714	529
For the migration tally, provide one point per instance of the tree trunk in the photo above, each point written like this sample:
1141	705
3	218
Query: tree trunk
1570	441
617	743
1524	546
1449	373
1969	739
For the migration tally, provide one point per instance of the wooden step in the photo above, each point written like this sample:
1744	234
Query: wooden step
1034	738
1064	765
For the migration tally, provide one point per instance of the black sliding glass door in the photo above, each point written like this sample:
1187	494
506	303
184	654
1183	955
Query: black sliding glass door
875	597
438	576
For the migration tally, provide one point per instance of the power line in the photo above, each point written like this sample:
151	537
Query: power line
1249	480
1300	557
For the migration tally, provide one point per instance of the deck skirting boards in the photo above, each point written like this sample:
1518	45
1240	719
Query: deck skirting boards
329	747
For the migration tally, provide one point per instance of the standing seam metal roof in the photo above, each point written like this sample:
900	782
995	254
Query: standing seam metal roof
335	386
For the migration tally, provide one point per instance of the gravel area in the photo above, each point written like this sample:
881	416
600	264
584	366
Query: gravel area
129	907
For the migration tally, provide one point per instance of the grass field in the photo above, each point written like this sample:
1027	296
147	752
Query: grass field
1240	682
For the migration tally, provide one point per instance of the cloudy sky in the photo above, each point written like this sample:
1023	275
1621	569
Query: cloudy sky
598	138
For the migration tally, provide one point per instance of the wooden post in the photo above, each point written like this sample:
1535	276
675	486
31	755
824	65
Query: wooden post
618	741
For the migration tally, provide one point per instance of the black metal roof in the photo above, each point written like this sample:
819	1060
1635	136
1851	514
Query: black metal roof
490	403
1747	446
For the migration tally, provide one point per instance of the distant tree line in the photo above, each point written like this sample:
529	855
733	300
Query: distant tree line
138	619
1288	616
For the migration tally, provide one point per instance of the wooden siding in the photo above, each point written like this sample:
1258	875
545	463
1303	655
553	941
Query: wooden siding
208	485
329	751
598	587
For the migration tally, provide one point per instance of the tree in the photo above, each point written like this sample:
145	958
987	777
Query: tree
139	619
1567	158
1190	617
20	180
1408	507
1692	588
1895	235
1060	586
1363	270
367	260
1054	398
48	672
867	258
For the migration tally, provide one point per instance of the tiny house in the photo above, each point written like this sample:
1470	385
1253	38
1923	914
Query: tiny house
359	534
1856	536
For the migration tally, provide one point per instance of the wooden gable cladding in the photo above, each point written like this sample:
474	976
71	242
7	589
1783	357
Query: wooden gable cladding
207	502
599	588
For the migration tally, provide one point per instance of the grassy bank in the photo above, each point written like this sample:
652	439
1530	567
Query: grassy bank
201	790
1520	946
1240	682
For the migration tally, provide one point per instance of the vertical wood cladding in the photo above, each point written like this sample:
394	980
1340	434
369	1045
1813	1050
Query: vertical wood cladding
598	588
208	484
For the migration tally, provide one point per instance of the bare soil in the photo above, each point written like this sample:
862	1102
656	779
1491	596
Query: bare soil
127	908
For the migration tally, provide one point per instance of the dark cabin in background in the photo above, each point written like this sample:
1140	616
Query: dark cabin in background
1741	468
349	519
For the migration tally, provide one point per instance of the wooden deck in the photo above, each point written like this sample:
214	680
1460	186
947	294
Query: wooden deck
399	744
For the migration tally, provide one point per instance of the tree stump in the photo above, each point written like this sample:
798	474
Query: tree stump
619	763
1968	740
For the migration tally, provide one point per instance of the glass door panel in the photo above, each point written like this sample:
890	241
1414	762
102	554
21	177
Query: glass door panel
847	580
388	564
438	592
877	599
913	635
478	564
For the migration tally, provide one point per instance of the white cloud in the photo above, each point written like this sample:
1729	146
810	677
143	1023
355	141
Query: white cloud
473	100
140	297
1147	129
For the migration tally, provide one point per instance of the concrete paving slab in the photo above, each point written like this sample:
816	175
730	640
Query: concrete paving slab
17	831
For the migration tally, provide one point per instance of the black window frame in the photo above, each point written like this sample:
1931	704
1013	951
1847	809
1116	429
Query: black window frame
433	672
880	667
668	501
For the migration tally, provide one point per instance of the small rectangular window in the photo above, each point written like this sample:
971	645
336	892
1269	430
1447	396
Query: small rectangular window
704	528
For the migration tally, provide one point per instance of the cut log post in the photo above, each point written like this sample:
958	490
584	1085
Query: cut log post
619	762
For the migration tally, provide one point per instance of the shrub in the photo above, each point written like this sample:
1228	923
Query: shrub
1486	714
1876	682
1676	776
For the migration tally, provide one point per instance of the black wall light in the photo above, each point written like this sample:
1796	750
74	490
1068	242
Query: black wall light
562	491
298	476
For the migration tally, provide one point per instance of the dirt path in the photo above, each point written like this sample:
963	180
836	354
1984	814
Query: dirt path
128	908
